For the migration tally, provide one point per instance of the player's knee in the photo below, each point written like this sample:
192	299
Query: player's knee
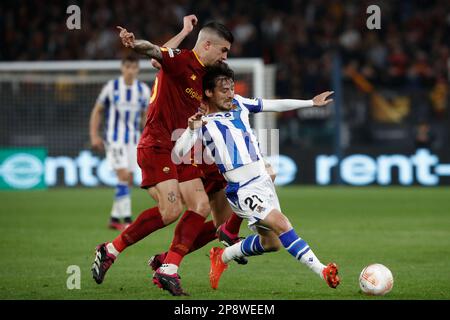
282	225
170	213
202	207
124	175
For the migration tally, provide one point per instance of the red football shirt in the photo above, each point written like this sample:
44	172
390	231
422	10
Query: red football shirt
176	96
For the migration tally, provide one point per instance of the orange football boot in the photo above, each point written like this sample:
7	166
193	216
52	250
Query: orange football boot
217	266
330	275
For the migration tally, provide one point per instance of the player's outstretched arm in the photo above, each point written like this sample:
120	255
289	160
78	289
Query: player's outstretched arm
140	46
280	105
188	25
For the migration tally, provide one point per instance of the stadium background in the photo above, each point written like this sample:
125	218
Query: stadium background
389	125
393	95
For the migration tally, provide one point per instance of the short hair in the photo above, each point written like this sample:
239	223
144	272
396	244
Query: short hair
130	58
213	73
220	29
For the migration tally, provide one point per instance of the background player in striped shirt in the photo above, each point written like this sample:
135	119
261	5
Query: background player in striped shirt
122	104
227	134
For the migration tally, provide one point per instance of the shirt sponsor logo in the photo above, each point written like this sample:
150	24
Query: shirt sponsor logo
193	94
220	116
172	52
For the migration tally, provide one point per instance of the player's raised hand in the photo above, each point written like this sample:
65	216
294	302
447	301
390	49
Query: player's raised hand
321	99
189	22
203	108
195	121
126	37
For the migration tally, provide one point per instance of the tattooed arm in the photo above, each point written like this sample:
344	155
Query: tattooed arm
143	47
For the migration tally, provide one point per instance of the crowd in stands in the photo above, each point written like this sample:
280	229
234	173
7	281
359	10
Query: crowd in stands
409	52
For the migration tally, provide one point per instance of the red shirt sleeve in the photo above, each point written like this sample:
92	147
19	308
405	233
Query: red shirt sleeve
173	60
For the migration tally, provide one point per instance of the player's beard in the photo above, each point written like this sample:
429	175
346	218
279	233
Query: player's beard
226	106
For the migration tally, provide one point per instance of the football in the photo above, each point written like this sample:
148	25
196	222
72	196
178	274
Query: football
376	280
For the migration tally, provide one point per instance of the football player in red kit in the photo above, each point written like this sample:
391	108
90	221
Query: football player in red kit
176	95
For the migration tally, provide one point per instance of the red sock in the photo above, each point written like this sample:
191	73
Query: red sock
206	235
233	224
147	222
186	231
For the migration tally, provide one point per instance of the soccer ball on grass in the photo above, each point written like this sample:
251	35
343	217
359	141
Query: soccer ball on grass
376	280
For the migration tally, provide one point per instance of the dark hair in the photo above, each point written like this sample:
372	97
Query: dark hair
130	58
213	73
220	29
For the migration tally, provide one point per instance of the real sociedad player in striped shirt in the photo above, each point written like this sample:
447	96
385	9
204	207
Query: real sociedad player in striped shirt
123	102
227	134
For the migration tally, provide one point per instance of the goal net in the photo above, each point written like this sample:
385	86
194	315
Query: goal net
47	105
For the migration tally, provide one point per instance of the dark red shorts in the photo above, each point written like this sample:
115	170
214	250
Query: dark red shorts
213	180
157	166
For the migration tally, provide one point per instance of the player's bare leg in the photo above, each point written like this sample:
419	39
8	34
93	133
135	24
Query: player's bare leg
220	212
121	208
298	248
226	219
186	232
187	229
220	208
228	232
255	245
168	210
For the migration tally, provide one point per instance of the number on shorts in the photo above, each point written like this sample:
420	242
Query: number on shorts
249	201
117	153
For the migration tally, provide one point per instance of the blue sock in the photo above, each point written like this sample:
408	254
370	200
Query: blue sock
295	245
251	246
121	190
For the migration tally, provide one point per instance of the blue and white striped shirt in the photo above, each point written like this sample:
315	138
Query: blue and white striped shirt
229	137
124	106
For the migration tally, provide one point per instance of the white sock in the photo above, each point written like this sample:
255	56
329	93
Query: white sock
112	250
232	252
310	260
115	213
122	201
301	251
169	268
124	206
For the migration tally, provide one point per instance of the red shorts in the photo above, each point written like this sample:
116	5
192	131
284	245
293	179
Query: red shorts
157	166
213	180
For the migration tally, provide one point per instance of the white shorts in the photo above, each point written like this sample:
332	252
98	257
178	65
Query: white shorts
254	199
122	156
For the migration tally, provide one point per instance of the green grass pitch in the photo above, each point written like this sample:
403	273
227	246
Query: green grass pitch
407	229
